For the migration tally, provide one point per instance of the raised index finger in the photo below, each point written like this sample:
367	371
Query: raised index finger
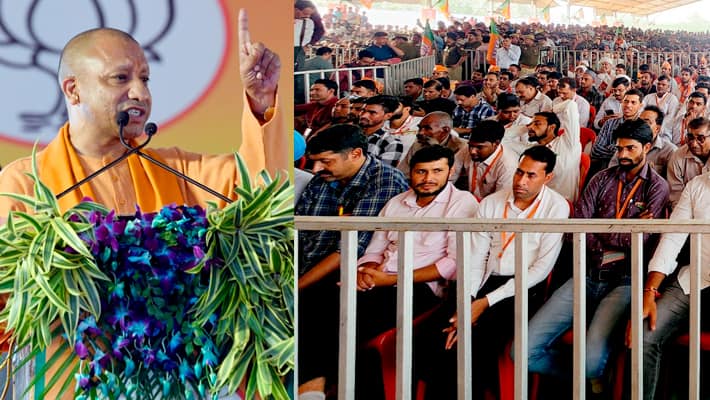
243	31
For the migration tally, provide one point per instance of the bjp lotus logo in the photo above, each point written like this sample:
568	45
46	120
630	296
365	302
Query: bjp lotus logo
185	42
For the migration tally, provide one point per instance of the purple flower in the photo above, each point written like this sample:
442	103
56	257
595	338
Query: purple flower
81	350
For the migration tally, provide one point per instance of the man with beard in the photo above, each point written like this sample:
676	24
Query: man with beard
435	129
490	167
588	90
433	100
630	190
567	90
386	147
403	125
470	110
546	129
611	107
646	85
413	89
604	147
505	82
315	114
492	281
691	159
661	148
686	85
490	89
348	181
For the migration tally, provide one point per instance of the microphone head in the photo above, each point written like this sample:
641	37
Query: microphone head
122	118
151	128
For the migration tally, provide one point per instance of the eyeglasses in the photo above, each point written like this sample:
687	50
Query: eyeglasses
699	138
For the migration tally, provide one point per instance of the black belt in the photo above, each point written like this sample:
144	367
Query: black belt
606	274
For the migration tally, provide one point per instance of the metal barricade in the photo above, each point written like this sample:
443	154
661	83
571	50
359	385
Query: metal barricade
463	228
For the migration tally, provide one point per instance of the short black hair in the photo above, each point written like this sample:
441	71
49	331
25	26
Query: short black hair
432	153
465	90
634	92
659	114
337	138
358	100
488	130
406	101
697	123
445	82
330	84
555	75
635	129
507	100
507	73
416	81
323	50
699	96
664	78
365	53
571	82
528	81
367	84
551	119
435	83
622	80
542	154
389	103
302	4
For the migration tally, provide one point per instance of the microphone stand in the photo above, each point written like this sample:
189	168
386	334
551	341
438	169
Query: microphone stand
108	166
137	150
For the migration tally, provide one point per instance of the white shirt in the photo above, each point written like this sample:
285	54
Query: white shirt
542	248
516	132
539	103
694	203
407	132
568	150
682	167
500	175
668	103
438	248
506	57
582	105
307	33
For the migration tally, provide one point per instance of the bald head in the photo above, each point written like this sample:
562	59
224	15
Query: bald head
441	118
83	44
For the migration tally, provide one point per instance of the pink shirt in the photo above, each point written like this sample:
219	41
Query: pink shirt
438	248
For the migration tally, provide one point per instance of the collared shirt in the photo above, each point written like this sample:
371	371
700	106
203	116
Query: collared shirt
388	148
593	97
542	248
599	200
506	57
657	157
694	203
381	53
407	132
604	148
302	27
516	132
682	167
538	104
582	105
364	196
668	103
316	114
469	119
611	103
453	142
437	248
499	176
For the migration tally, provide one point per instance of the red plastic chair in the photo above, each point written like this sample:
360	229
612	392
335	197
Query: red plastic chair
584	163
386	346
586	136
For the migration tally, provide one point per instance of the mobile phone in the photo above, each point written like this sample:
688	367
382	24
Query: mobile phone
608	112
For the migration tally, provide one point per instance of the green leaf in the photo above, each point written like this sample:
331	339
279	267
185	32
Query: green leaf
63	229
51	295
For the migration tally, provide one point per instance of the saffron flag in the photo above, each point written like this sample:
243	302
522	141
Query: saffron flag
580	14
504	9
427	47
366	3
546	14
490	54
443	7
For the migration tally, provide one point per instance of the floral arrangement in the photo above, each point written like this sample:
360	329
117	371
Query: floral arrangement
180	304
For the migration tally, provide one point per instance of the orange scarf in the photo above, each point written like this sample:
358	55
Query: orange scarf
60	167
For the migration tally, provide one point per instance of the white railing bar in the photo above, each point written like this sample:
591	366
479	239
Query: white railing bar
696	241
405	291
348	316
463	313
294	393
501	225
579	345
637	278
520	342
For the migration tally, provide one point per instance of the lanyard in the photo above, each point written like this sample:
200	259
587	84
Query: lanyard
504	238
474	180
621	209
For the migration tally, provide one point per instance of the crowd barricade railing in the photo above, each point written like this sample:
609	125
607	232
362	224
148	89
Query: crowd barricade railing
632	59
391	77
341	54
463	228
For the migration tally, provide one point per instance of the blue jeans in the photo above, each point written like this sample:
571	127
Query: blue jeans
608	301
671	316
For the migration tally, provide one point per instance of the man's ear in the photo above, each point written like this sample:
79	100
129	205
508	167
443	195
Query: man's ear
548	177
71	90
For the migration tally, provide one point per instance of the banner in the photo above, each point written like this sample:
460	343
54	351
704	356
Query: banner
427	47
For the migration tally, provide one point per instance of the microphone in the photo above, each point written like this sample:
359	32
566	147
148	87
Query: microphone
122	119
150	129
